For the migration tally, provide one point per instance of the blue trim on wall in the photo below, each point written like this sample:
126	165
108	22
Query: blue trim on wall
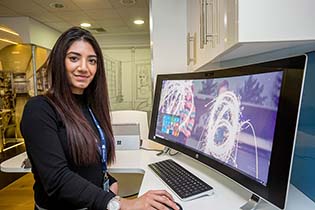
303	170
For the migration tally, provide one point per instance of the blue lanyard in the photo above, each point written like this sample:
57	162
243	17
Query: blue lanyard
102	148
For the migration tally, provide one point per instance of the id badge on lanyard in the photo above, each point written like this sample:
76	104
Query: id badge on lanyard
106	183
103	152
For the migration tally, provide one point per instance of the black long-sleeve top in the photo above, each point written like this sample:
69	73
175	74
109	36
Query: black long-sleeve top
59	183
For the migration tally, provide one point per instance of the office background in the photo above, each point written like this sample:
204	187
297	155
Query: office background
131	66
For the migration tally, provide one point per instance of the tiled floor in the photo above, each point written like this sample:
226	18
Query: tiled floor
18	195
16	192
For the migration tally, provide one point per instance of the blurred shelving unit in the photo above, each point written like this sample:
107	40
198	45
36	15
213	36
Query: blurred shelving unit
22	75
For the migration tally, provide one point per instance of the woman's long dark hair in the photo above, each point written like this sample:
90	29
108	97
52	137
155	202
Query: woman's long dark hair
81	136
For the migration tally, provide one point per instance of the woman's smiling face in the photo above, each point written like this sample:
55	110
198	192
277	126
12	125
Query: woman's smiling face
81	65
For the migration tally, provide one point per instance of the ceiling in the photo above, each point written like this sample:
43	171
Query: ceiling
112	20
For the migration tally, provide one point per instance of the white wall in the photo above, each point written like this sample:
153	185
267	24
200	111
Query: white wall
168	29
276	20
32	31
42	35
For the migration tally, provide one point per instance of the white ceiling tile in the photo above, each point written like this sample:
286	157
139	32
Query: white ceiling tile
108	14
95	24
147	3
117	22
142	28
5	12
119	29
139	4
20	6
43	16
133	12
60	26
79	21
130	15
92	4
73	16
97	14
68	5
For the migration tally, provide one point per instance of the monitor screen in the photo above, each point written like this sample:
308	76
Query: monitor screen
230	119
233	120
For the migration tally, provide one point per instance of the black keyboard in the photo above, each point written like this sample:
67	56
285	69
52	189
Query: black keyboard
186	185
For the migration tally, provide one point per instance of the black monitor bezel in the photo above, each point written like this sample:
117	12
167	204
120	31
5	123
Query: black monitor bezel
276	189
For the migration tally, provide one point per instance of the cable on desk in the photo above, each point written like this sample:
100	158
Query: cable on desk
167	150
172	154
147	149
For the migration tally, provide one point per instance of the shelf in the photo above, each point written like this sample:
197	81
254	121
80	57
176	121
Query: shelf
10	126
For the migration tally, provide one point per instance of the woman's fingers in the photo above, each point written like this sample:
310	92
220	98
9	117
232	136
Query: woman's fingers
162	193
159	206
162	199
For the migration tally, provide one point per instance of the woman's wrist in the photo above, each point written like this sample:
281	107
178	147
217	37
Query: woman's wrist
124	204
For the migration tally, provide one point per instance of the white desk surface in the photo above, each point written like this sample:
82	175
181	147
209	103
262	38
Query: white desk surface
227	194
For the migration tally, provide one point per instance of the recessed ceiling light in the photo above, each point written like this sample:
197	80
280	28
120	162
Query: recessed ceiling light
85	25
138	22
56	5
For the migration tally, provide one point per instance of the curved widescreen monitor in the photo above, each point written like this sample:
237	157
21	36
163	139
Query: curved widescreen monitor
239	121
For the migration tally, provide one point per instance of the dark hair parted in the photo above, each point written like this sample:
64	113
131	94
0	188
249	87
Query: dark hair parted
81	136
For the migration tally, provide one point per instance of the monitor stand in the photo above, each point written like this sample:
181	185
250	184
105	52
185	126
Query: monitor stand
251	203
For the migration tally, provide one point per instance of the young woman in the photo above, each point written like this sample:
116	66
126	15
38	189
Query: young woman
68	134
